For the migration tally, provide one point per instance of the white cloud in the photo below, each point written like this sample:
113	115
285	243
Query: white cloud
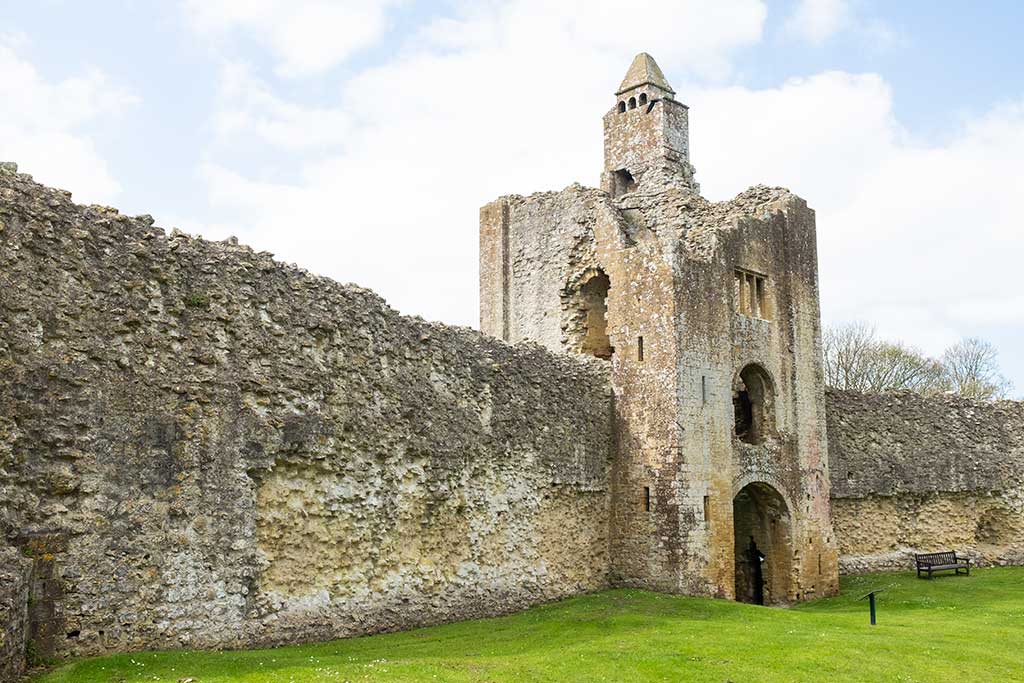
248	107
307	36
42	125
696	35
503	97
921	239
940	229
787	135
818	20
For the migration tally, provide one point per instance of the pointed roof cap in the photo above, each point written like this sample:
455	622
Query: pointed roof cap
643	71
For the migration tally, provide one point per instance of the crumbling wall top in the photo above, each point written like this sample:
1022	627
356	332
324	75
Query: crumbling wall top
902	442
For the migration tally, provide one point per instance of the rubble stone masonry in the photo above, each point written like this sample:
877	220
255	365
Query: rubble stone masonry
707	315
15	575
914	474
202	447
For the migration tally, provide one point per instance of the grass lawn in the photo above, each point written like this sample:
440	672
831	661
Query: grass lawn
949	628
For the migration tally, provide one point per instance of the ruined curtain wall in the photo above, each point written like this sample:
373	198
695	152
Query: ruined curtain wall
202	447
911	473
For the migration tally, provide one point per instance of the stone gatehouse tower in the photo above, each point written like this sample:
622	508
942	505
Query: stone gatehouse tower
708	317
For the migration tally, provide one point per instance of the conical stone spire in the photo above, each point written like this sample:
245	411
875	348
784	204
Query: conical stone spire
646	133
644	71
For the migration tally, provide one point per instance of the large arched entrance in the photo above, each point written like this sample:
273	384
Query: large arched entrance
762	545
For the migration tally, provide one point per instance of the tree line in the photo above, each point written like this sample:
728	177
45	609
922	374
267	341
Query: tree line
856	358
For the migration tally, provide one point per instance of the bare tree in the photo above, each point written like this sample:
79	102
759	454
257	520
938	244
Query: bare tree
898	367
847	350
971	369
856	359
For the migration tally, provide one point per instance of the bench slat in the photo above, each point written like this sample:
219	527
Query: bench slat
946	560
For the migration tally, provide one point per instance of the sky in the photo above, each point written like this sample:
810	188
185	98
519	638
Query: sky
358	139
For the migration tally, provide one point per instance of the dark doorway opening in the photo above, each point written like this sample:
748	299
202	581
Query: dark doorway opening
753	401
744	413
762	545
623	183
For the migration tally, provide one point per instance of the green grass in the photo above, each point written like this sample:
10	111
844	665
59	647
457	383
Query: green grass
950	628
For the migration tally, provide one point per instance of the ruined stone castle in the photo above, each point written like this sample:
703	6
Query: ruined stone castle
708	317
203	447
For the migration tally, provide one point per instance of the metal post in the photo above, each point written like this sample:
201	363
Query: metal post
871	602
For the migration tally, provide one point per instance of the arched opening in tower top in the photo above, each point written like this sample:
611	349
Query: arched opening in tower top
632	103
753	400
643	98
762	545
622	183
622	106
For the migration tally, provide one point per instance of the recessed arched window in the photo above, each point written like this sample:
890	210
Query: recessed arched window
585	302
753	401
632	103
622	107
643	99
595	300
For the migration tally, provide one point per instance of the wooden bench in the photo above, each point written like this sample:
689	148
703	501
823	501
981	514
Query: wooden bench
935	562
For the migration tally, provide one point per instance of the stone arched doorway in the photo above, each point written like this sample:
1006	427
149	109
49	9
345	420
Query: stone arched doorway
762	536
